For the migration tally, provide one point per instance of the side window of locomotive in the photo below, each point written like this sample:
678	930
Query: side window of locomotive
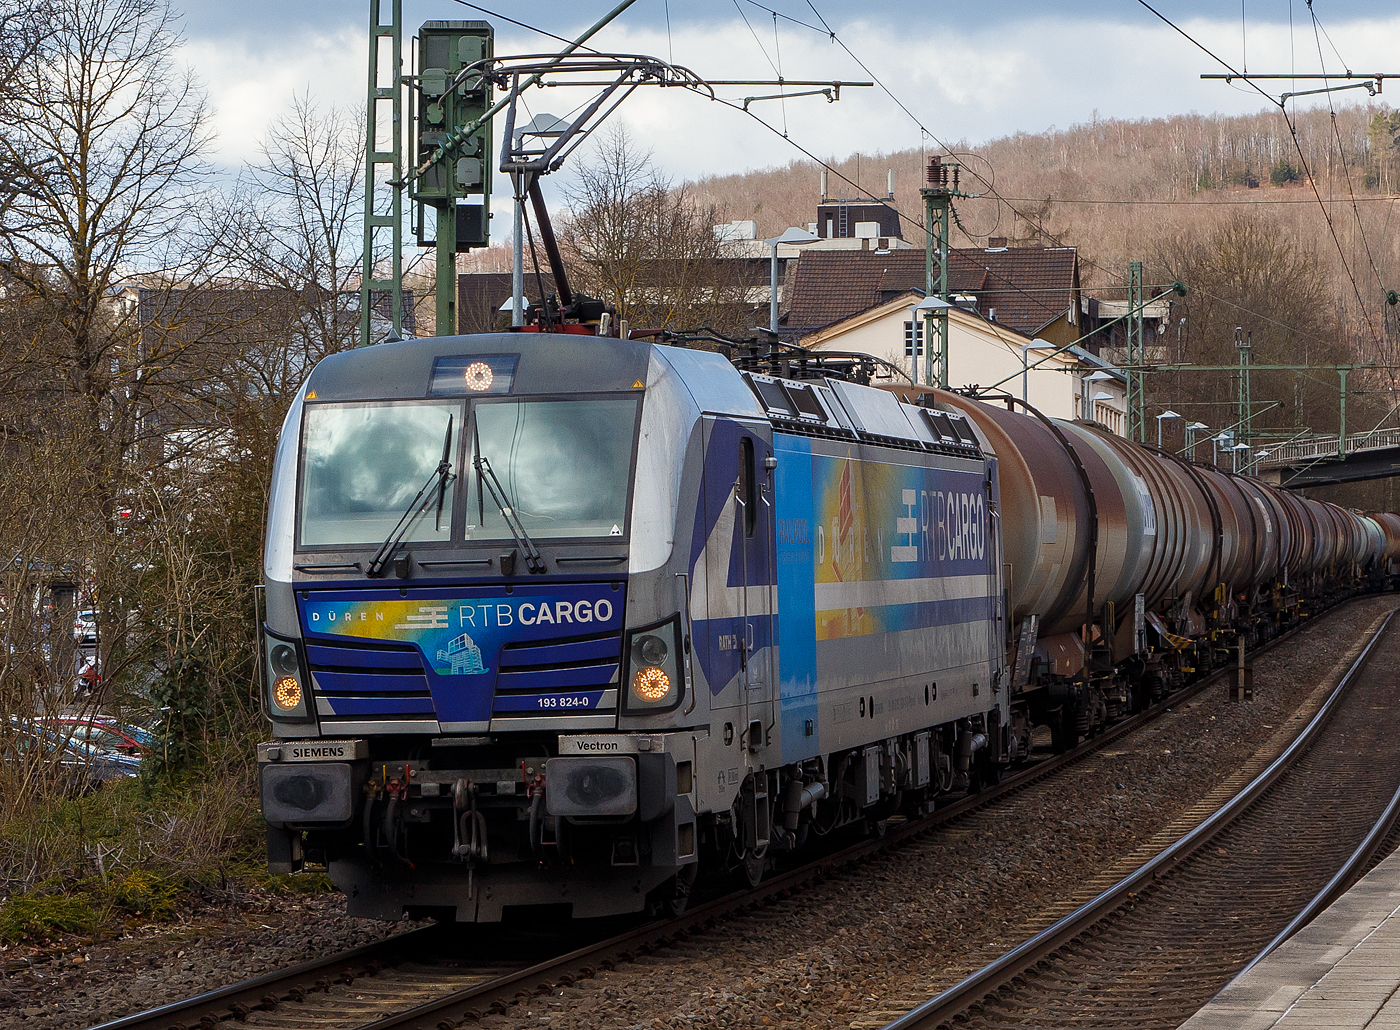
748	492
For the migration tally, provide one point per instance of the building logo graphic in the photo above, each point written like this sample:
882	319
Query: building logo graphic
464	656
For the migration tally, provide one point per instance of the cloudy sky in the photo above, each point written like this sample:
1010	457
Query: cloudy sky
967	71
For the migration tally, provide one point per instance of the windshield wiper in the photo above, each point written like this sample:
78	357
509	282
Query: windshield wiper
534	561
441	477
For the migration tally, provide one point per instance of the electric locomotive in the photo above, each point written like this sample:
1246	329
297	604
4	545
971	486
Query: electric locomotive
552	618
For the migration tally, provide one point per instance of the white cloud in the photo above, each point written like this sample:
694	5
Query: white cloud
965	82
251	85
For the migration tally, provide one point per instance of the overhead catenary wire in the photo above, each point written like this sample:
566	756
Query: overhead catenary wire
1298	148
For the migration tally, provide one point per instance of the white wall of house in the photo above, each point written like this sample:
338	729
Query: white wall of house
978	353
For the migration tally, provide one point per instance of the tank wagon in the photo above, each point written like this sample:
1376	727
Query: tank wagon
553	619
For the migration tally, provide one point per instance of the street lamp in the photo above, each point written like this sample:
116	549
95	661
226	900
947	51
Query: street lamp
1258	455
1166	414
1036	344
793	236
1225	439
1093	377
1235	462
1192	428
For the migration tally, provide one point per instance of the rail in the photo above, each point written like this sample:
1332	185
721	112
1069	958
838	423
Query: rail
286	988
946	1006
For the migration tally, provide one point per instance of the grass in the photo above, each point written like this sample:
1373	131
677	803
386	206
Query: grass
141	850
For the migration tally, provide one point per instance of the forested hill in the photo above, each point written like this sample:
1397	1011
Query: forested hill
1114	188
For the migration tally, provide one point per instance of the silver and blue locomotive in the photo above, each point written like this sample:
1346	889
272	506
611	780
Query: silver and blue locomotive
552	618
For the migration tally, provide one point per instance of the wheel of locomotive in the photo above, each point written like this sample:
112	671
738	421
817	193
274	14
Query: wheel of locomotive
986	771
754	864
876	827
674	895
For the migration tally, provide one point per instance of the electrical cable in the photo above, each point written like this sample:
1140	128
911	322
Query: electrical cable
523	25
1297	146
754	34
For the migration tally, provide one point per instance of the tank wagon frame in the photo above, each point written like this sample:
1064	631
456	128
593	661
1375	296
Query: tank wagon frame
653	608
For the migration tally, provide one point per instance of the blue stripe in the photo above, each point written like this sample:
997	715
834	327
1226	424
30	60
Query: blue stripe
582	701
797	622
381	705
358	683
552	679
562	654
362	658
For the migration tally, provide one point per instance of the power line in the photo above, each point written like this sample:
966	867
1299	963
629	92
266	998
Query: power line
523	25
1297	146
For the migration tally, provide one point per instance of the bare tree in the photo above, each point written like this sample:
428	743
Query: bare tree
293	229
647	247
105	142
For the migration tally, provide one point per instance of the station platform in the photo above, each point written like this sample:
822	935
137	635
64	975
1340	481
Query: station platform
1340	972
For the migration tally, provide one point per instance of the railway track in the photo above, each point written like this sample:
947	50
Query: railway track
1163	940
426	979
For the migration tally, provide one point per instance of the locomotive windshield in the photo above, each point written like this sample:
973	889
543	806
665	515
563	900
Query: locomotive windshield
363	463
565	466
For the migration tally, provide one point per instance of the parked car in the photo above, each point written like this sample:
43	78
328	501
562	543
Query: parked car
87	764
103	734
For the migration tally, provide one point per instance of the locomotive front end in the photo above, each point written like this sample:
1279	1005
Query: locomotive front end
472	628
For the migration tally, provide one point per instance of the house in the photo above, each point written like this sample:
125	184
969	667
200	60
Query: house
1067	383
1034	291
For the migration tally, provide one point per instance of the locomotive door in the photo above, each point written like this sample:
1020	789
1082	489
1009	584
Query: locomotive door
740	569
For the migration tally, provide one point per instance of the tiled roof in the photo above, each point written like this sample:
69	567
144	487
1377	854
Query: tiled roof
1026	286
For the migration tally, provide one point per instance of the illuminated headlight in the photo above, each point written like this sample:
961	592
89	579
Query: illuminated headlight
479	377
651	686
286	693
654	679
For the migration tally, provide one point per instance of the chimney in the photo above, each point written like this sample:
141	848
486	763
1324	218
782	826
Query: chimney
889	188
825	194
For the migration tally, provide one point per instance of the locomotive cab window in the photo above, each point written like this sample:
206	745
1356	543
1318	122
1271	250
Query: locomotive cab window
362	464
564	466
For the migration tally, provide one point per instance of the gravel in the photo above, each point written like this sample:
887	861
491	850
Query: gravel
865	945
78	985
878	939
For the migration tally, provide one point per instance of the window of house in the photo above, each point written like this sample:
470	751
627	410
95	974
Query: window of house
913	339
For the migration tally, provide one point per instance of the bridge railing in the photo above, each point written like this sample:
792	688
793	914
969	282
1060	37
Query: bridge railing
1320	448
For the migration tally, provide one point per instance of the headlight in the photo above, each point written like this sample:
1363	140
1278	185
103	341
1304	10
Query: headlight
284	659
286	694
649	649
651	686
285	678
654	679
